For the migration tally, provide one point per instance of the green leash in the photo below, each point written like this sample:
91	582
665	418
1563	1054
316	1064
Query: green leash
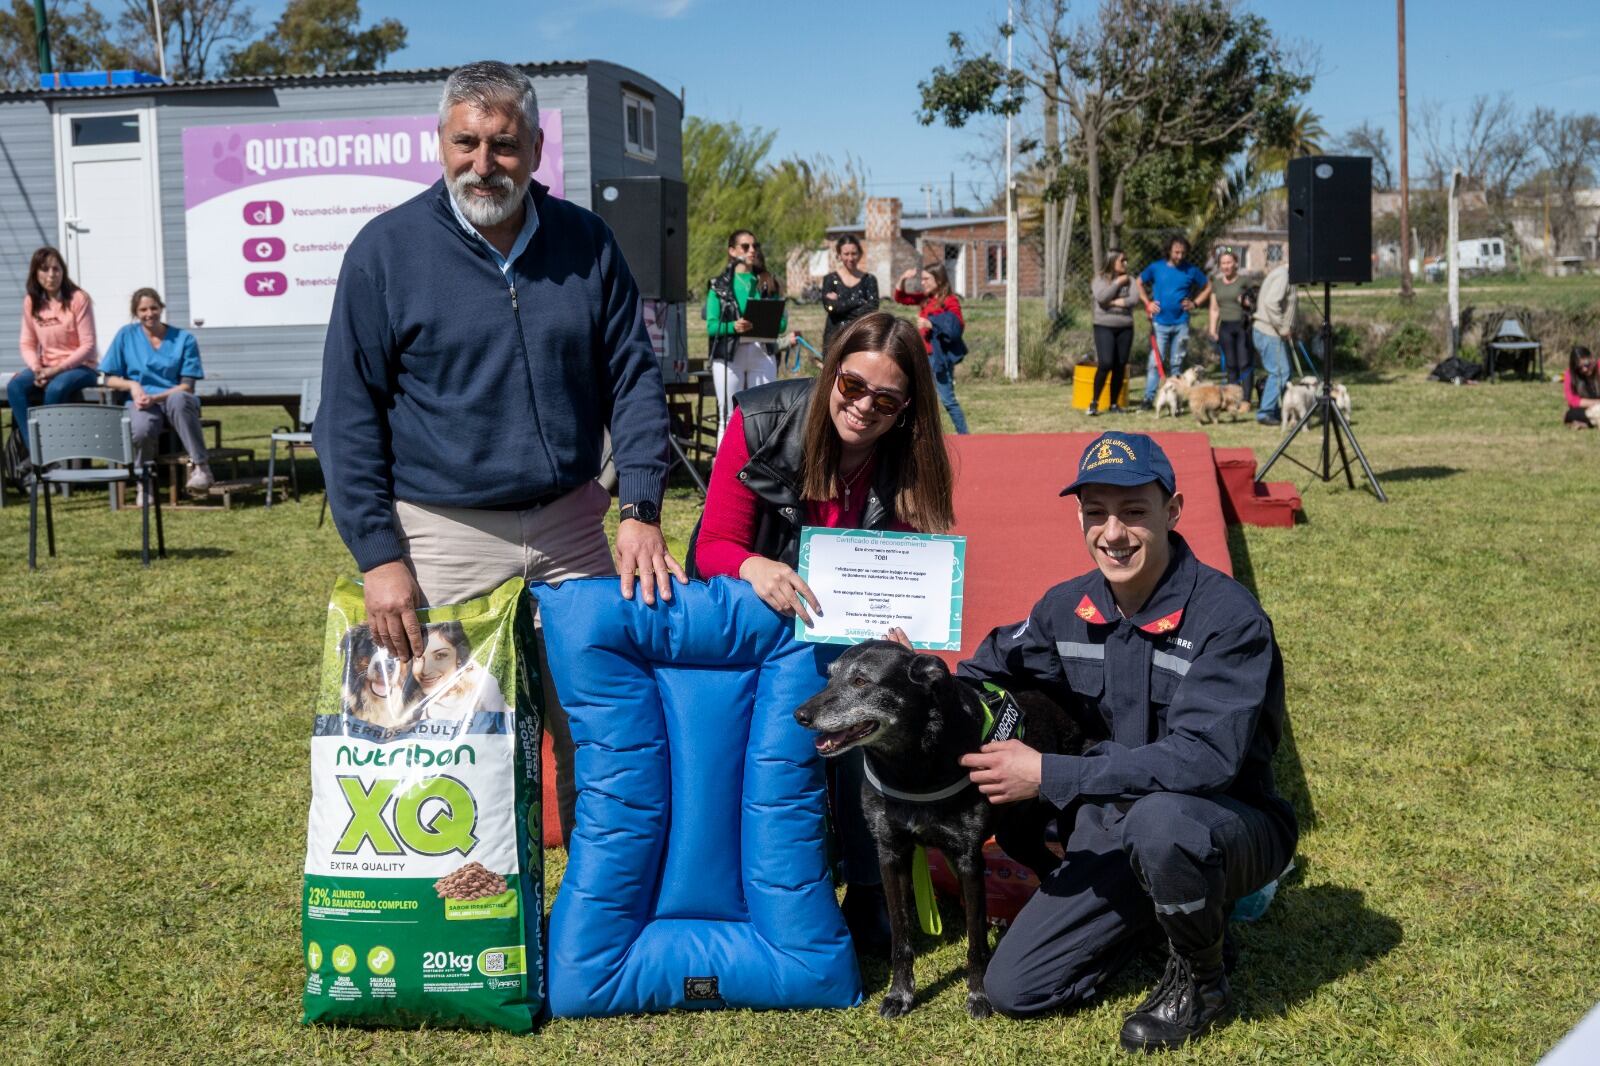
922	891
1002	720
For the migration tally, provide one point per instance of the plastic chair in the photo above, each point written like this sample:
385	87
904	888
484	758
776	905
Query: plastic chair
61	432
297	436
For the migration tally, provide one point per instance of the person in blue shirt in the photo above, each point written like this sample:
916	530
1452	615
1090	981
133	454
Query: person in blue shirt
157	365
1169	290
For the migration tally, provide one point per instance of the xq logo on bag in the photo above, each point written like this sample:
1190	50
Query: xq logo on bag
435	816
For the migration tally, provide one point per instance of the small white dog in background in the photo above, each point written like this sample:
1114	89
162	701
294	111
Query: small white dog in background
1296	401
1175	389
1303	393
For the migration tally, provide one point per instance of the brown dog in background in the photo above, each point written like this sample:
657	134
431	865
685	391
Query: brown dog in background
1209	401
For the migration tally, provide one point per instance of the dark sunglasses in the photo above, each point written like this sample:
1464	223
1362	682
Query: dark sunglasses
885	402
748	246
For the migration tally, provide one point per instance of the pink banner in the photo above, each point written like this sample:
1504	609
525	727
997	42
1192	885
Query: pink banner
222	159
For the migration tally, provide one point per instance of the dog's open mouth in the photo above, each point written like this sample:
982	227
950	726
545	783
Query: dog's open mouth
833	743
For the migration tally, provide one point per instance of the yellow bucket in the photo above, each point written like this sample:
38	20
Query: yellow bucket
1083	387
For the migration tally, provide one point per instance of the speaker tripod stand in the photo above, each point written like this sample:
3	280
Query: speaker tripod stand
1335	427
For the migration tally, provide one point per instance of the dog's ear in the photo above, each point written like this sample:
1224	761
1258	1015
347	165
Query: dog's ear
927	670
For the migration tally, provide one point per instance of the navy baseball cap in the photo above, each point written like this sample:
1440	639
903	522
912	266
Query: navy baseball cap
1130	459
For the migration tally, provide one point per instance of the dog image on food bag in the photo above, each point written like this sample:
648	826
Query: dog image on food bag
372	687
914	721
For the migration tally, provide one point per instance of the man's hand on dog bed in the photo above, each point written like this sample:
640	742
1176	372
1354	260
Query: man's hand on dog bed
1007	772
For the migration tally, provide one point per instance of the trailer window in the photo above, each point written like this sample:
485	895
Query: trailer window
105	129
638	125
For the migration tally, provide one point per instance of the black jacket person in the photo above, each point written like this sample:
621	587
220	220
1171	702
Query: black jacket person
1175	816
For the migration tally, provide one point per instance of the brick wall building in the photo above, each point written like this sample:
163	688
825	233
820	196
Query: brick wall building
972	249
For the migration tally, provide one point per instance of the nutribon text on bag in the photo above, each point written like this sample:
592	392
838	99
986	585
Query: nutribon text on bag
423	890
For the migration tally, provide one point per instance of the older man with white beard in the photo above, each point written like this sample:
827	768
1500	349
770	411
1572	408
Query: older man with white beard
484	335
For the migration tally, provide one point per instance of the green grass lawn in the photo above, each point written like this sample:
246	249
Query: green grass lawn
1443	696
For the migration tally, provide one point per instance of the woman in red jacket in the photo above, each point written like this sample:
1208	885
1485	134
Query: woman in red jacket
857	447
942	326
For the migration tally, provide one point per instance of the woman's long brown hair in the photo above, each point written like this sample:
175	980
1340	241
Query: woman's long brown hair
941	280
913	447
40	299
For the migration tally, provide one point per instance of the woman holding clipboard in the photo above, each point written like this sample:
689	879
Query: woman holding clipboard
859	446
736	357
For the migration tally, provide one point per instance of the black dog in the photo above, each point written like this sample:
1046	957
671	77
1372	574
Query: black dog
915	721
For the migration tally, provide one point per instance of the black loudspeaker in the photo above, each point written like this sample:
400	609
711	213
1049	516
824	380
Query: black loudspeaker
1330	219
650	217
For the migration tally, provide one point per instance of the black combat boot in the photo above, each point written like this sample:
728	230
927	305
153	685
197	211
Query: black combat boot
1191	996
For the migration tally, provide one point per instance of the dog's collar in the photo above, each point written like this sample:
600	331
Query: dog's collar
957	786
1002	720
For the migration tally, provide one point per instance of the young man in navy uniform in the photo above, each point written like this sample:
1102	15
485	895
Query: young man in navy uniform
1174	817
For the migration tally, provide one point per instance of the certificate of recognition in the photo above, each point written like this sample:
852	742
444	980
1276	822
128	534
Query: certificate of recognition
870	580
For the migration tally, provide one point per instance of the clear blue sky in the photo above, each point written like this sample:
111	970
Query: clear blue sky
840	76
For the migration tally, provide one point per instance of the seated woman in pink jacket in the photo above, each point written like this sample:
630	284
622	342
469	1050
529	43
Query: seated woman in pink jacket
57	339
1580	385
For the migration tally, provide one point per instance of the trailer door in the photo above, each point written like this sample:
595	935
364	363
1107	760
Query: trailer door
110	209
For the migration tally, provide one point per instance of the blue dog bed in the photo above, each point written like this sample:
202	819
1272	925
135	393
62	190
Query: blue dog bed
697	872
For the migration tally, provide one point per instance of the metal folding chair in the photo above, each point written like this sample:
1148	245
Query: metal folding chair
61	432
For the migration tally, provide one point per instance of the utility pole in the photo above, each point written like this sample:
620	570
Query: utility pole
161	44
41	29
1454	261
1013	362
1405	166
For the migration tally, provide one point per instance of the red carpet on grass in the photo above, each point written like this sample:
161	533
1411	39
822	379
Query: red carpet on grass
1022	538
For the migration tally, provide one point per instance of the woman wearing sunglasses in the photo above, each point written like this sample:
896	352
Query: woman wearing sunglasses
857	447
736	363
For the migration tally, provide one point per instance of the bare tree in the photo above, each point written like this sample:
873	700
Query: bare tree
1487	142
200	35
1370	139
1568	146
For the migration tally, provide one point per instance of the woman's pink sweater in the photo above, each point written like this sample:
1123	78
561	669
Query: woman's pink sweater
59	338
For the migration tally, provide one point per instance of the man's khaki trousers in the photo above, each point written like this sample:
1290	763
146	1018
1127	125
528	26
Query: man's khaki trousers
457	553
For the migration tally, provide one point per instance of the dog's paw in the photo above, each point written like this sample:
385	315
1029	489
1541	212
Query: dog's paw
896	1005
978	1007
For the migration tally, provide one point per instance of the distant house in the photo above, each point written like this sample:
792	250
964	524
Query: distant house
973	250
1259	247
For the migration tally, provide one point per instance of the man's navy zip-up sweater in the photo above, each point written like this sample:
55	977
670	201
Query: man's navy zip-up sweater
445	382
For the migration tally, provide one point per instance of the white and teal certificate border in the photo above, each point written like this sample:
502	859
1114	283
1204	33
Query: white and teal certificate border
958	574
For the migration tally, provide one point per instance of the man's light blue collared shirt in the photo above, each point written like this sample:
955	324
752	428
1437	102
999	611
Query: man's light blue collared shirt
530	225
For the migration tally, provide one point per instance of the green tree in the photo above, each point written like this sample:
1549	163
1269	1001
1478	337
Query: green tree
318	36
79	40
732	186
1143	83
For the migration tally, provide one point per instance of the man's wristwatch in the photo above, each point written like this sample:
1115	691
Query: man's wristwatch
643	511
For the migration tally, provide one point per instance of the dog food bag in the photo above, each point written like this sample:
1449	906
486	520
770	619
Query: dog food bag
423	890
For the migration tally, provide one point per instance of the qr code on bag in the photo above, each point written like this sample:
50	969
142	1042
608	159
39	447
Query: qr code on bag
494	962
